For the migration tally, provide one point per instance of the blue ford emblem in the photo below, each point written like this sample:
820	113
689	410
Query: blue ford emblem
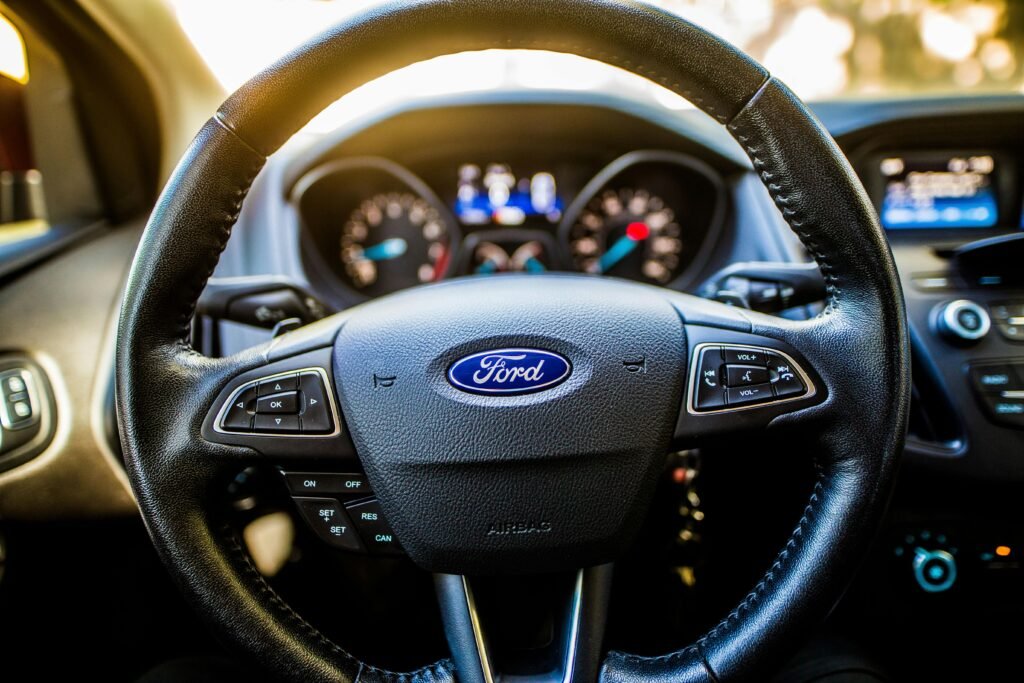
509	371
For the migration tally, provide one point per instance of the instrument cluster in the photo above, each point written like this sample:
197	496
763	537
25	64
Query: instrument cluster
377	227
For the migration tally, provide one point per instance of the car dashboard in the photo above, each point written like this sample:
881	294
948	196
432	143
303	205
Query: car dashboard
486	185
493	184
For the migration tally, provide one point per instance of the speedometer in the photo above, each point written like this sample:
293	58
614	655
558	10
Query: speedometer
628	233
392	241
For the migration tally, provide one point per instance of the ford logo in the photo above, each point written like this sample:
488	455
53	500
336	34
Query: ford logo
509	371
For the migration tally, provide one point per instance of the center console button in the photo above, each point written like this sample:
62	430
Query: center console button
994	378
330	522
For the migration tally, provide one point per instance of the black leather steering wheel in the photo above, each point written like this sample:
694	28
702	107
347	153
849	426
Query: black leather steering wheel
571	464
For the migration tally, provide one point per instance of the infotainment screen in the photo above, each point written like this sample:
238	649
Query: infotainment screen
935	190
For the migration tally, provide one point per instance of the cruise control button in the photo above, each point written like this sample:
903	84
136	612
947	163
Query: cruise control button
330	522
282	424
300	483
744	375
316	413
279	384
710	393
758	393
743	356
288	402
239	416
373	528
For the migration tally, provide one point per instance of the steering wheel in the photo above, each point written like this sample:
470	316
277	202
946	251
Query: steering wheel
518	424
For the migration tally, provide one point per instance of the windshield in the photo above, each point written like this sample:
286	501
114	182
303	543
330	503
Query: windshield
823	49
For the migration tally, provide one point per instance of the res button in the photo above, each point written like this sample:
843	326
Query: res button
373	528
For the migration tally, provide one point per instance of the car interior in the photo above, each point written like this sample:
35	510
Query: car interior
529	341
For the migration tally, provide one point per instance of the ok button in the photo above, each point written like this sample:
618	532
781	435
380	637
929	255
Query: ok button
286	402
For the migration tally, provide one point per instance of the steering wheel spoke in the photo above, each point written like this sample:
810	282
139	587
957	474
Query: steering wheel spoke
528	629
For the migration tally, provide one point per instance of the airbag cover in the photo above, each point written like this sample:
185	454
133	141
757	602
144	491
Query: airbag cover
488	482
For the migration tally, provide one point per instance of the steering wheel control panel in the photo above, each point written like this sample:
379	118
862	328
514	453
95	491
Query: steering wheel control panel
341	511
1000	389
728	377
292	403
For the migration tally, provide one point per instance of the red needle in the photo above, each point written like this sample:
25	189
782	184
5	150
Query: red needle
638	231
441	264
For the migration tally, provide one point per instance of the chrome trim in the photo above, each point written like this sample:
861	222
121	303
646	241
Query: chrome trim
949	319
234	394
691	392
478	633
572	641
574	629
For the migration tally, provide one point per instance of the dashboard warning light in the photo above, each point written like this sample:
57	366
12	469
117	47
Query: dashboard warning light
1003	550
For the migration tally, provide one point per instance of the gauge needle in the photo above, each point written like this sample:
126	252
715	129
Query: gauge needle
492	258
527	258
624	246
388	249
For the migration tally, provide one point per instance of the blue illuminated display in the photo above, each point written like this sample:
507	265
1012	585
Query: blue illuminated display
939	192
494	195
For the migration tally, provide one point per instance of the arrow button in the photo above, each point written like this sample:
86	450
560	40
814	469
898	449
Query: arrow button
276	424
316	413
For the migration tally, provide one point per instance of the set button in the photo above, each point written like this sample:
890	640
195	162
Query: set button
330	522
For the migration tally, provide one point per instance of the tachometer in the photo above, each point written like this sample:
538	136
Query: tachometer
392	241
628	233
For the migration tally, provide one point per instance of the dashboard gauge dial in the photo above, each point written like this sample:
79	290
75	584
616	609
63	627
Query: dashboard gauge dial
628	233
528	257
392	241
